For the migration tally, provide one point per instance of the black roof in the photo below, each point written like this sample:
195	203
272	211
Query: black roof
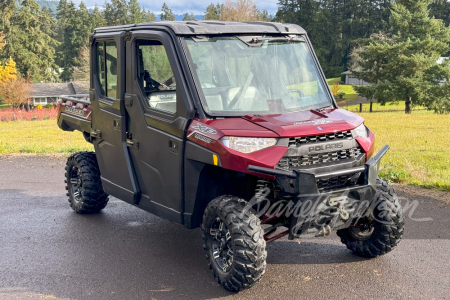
212	27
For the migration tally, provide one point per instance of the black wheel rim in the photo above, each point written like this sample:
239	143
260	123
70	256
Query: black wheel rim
222	250
75	184
362	231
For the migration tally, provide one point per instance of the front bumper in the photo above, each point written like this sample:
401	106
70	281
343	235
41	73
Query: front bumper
315	213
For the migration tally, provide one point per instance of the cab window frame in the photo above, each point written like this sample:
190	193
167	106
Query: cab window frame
103	89
136	44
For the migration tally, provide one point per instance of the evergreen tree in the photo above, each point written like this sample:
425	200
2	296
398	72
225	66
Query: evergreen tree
148	16
135	13
166	13
30	47
116	12
213	12
97	19
78	26
440	9
402	64
188	17
48	23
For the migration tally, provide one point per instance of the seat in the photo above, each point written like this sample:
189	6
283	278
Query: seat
214	102
246	102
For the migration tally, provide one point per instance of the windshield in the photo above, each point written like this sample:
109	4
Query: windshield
256	75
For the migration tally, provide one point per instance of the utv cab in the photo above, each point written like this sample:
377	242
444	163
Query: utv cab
231	127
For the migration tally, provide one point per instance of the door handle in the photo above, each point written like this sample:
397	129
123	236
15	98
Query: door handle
133	144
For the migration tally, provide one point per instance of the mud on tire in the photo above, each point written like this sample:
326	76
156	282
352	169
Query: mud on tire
384	233
83	183
245	244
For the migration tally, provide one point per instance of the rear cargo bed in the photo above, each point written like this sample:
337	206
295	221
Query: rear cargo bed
75	113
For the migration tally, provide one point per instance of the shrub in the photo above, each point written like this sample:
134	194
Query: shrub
340	95
10	114
39	107
335	89
49	105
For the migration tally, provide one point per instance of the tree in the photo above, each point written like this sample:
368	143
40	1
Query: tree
149	16
167	14
16	91
116	12
75	33
239	11
263	16
97	19
333	25
82	71
188	17
213	12
8	72
2	42
135	13
402	63
31	48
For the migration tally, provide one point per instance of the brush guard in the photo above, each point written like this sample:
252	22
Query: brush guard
315	213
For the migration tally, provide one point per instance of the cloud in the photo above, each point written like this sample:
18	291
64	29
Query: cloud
180	7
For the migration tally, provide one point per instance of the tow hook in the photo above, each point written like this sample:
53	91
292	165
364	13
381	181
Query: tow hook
325	231
340	202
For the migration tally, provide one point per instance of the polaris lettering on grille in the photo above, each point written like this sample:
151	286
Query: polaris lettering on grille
327	147
75	111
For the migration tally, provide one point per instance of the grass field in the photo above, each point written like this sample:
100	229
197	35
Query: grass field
419	155
39	137
420	147
350	93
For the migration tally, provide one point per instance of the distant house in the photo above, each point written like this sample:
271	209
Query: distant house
350	79
45	93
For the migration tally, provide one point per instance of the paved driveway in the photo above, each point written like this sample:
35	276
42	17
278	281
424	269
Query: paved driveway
49	252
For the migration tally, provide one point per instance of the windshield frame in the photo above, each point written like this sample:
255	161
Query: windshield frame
200	93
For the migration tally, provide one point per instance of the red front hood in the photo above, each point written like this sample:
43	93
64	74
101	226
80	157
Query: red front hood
305	123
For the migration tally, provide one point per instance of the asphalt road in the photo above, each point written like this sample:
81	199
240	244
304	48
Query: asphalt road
49	252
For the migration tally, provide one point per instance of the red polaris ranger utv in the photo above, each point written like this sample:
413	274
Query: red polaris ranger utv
231	127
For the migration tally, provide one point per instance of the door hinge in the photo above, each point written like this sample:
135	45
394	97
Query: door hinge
132	143
128	101
96	134
128	36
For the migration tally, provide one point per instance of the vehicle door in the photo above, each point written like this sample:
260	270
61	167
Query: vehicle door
159	111
108	116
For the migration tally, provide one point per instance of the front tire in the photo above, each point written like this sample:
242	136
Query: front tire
234	243
381	231
83	183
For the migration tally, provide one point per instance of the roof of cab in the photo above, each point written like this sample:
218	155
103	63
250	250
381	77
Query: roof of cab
211	27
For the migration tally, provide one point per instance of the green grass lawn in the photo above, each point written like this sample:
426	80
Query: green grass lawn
39	137
419	155
350	93
420	147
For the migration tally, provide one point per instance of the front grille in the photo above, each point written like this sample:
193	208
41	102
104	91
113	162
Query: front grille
337	181
344	135
289	162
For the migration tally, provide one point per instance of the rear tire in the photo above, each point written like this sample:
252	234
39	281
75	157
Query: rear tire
234	243
380	236
83	183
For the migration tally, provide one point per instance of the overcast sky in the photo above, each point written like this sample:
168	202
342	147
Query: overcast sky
183	6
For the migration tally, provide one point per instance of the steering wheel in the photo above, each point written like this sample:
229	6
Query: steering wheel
299	92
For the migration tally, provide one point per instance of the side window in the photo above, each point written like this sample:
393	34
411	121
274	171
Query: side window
156	76
106	60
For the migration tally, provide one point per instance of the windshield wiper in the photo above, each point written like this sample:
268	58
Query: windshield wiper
258	41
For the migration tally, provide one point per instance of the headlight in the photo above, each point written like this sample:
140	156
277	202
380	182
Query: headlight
362	131
248	145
